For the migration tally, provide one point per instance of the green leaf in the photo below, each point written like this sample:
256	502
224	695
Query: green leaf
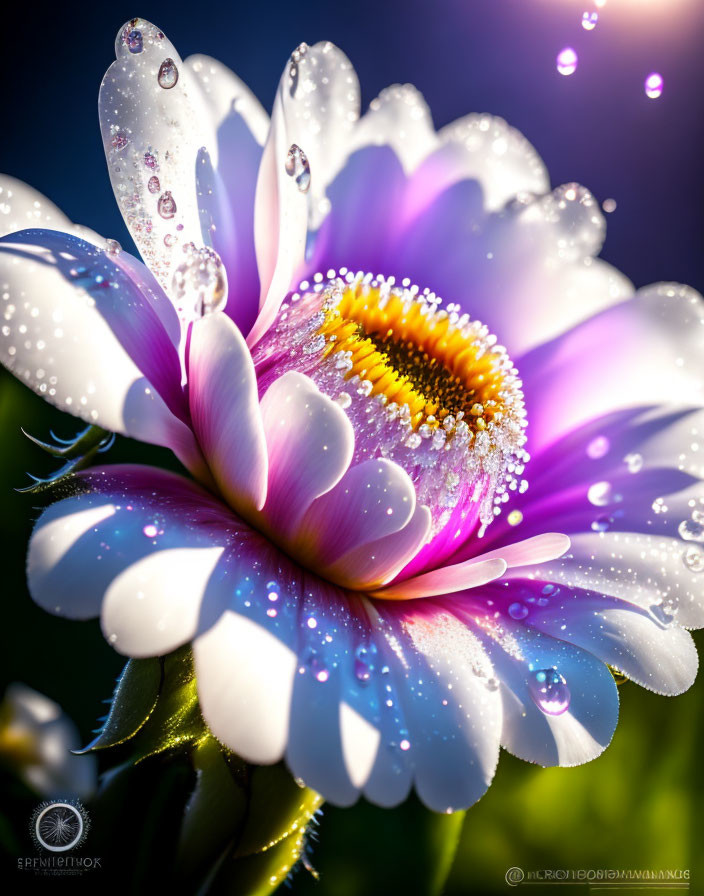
136	695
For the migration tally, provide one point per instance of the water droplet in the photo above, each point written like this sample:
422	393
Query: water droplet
602	523
518	611
169	240
119	140
316	666
272	590
567	61
589	20
405	744
654	85
166	205
151	530
634	462
153	184
691	530
601	493
693	559
514	518
362	672
200	278
664	612
296	57
112	247
134	41
549	691
609	206
312	622
297	167
598	447
150	160
344	399
168	74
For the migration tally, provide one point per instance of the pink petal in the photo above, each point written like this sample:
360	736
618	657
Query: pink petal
225	411
309	441
461	577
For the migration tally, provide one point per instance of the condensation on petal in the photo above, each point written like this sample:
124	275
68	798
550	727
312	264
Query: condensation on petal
574	220
321	105
400	118
152	134
498	156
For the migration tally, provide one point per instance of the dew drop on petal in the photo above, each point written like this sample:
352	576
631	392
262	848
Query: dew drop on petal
549	691
153	184
112	247
567	61
362	672
602	523
691	530
150	160
150	530
589	20
134	41
168	74
602	493
166	205
518	610
654	85
693	559
634	462
297	166
119	140
200	279
598	447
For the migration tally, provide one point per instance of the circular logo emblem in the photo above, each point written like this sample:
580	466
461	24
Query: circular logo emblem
58	826
514	876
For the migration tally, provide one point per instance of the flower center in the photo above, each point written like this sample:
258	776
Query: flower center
423	385
442	368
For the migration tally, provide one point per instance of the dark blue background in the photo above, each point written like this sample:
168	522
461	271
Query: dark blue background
496	56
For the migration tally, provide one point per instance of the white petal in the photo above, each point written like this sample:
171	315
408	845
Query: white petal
315	108
224	93
225	411
245	679
576	735
150	131
498	156
400	118
83	330
22	207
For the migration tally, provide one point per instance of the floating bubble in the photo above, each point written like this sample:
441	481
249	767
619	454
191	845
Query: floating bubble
567	60
654	85
549	691
589	20
297	166
168	74
609	206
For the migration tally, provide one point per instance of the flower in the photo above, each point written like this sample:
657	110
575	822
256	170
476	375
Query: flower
36	738
356	600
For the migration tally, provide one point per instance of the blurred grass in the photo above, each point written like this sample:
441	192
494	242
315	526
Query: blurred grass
638	806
